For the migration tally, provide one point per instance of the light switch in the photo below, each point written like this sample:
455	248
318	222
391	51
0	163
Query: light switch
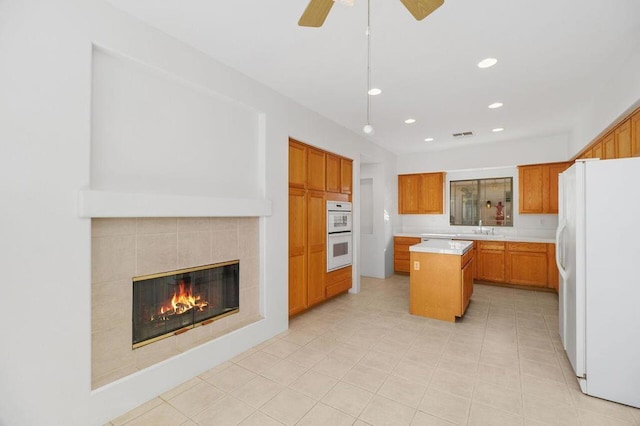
416	265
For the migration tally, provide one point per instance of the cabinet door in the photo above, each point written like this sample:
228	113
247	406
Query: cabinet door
346	175
527	268
409	187
316	243
401	252
491	261
635	134
622	136
297	250
597	151
467	285
554	170
609	147
531	188
333	173
316	169
431	193
297	164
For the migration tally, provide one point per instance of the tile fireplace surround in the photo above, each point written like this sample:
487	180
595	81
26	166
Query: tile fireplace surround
122	248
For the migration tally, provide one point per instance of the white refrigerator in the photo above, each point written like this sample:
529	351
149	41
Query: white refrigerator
598	256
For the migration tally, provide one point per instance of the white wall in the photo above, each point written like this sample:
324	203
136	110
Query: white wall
46	135
613	101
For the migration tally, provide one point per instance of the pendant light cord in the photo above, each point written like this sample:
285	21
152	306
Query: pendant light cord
368	60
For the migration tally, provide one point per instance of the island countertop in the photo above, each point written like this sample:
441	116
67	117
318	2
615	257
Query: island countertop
441	246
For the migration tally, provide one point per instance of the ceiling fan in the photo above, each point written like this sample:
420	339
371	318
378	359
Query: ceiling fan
317	10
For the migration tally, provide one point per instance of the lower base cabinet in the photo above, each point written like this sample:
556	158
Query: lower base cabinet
338	281
526	264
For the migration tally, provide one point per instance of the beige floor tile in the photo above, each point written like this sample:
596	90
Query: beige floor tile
589	418
288	406
136	412
381	361
533	354
445	406
382	411
500	376
506	359
423	357
336	367
348	398
259	419
181	388
231	378
466	351
459	366
543	371
306	357
402	390
482	415
366	377
300	337
228	411
424	419
537	387
259	362
314	385
549	411
285	372
453	383
601	406
413	371
348	352
258	391
323	415
195	399
281	348
162	415
503	399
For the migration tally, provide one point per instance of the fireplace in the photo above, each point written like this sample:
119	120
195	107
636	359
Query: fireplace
172	303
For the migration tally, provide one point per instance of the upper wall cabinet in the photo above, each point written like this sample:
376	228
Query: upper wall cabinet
421	193
297	165
621	142
539	187
339	174
635	134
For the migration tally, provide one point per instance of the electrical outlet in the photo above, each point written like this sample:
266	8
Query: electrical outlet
416	265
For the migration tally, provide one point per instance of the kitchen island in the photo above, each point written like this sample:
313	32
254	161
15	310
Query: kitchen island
441	278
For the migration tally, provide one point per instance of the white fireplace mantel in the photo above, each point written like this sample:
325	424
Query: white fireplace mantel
93	203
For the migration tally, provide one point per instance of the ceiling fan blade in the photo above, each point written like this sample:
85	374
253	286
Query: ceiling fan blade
315	13
420	9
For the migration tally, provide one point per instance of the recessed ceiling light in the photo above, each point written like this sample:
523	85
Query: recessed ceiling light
496	105
374	91
498	129
428	139
487	62
410	120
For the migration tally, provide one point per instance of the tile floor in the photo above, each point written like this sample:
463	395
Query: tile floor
363	360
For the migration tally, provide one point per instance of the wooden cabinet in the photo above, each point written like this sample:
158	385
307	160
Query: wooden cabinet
401	252
491	261
552	268
440	285
316	247
316	169
297	250
526	264
634	122
609	147
338	281
622	140
421	193
346	175
312	173
538	187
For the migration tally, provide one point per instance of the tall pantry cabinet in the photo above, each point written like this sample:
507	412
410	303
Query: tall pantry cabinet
315	176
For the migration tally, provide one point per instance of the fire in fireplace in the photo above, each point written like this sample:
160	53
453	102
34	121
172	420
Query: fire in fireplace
174	302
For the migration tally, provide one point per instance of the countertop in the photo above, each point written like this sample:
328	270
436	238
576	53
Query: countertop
442	247
480	237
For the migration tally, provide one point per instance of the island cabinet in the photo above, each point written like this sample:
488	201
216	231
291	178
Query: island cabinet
538	187
421	193
526	264
441	285
401	252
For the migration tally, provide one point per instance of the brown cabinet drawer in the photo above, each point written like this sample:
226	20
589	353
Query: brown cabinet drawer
530	247
401	265
409	241
401	252
338	281
490	245
466	258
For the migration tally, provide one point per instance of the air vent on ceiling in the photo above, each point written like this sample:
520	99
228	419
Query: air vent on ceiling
463	135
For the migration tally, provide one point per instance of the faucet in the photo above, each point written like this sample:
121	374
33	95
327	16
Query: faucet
480	230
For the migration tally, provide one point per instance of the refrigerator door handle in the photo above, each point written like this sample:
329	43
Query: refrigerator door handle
560	248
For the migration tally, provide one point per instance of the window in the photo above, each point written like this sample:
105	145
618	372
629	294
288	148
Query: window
488	200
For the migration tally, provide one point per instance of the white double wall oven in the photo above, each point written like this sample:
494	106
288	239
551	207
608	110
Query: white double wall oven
339	235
